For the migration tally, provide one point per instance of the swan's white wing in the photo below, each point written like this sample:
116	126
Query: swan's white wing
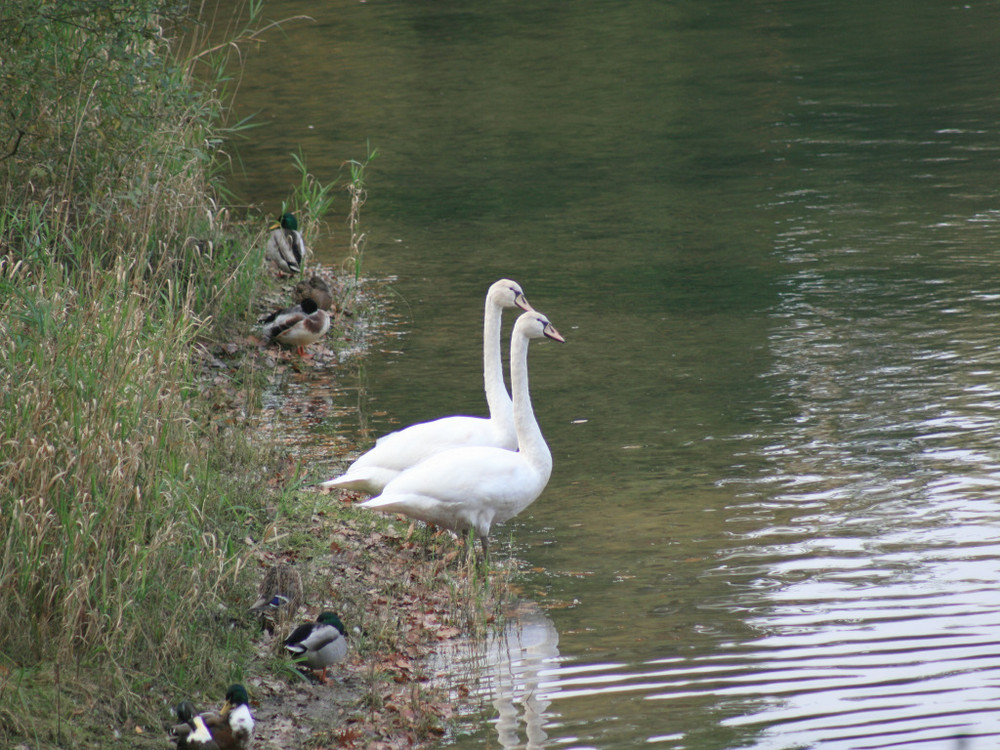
405	448
426	438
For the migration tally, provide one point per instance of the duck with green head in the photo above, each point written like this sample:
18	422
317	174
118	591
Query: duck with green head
319	644
229	729
285	247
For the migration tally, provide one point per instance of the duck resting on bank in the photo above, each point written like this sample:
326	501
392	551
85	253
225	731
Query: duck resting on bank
229	729
316	289
279	595
285	247
298	326
319	644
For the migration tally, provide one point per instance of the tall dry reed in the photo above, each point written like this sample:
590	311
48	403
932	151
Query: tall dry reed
118	532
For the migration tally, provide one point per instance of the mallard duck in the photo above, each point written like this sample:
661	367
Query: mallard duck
315	289
192	732
230	729
319	644
271	317
398	451
297	327
279	595
285	247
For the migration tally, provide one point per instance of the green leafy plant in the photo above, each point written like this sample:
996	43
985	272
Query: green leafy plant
356	189
313	199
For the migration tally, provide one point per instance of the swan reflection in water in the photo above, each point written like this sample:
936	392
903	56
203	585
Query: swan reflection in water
508	672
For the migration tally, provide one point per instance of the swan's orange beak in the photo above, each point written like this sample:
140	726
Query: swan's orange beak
551	332
521	301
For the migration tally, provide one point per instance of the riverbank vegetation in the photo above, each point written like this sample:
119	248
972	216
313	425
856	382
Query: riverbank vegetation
132	485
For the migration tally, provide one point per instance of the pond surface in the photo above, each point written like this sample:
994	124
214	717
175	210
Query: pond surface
769	232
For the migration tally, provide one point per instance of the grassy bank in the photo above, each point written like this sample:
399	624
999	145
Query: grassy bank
132	486
119	528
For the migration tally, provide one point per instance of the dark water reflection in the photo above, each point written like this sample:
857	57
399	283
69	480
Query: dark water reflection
769	233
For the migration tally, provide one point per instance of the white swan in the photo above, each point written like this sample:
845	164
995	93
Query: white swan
473	488
404	448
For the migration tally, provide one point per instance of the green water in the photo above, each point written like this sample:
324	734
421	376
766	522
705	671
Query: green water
769	232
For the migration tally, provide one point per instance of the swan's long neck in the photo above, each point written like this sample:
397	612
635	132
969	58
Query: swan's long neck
496	392
530	442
